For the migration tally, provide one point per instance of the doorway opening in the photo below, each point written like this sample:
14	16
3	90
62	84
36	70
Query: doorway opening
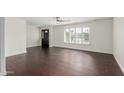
45	38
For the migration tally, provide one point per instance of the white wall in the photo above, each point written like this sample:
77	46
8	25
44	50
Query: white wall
2	49
33	36
100	36
118	41
15	36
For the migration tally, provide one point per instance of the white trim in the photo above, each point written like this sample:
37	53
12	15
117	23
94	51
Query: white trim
122	69
2	45
3	74
81	49
16	53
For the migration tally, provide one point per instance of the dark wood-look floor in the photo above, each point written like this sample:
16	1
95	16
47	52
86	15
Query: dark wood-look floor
62	62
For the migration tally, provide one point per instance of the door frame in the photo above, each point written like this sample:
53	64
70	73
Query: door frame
43	36
2	47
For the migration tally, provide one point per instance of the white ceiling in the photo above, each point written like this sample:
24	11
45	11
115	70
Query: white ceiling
41	21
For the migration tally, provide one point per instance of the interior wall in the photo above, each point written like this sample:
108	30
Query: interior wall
118	41
15	36
101	36
2	48
33	36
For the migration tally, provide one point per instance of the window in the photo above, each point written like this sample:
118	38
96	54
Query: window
77	35
86	32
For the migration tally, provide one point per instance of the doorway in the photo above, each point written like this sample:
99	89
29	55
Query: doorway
45	38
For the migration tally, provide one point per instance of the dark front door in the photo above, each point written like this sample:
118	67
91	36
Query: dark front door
45	38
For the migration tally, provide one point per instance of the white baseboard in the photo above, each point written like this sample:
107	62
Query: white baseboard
33	46
81	49
3	74
16	53
122	69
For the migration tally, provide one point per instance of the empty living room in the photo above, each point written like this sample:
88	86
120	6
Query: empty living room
62	46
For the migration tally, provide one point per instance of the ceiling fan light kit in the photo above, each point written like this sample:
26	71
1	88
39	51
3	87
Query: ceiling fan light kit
59	20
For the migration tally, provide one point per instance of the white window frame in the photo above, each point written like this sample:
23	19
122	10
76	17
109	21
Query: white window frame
84	31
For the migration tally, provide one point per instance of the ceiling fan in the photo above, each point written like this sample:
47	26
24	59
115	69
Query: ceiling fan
59	20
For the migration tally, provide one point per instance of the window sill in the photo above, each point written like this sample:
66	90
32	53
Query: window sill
78	44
